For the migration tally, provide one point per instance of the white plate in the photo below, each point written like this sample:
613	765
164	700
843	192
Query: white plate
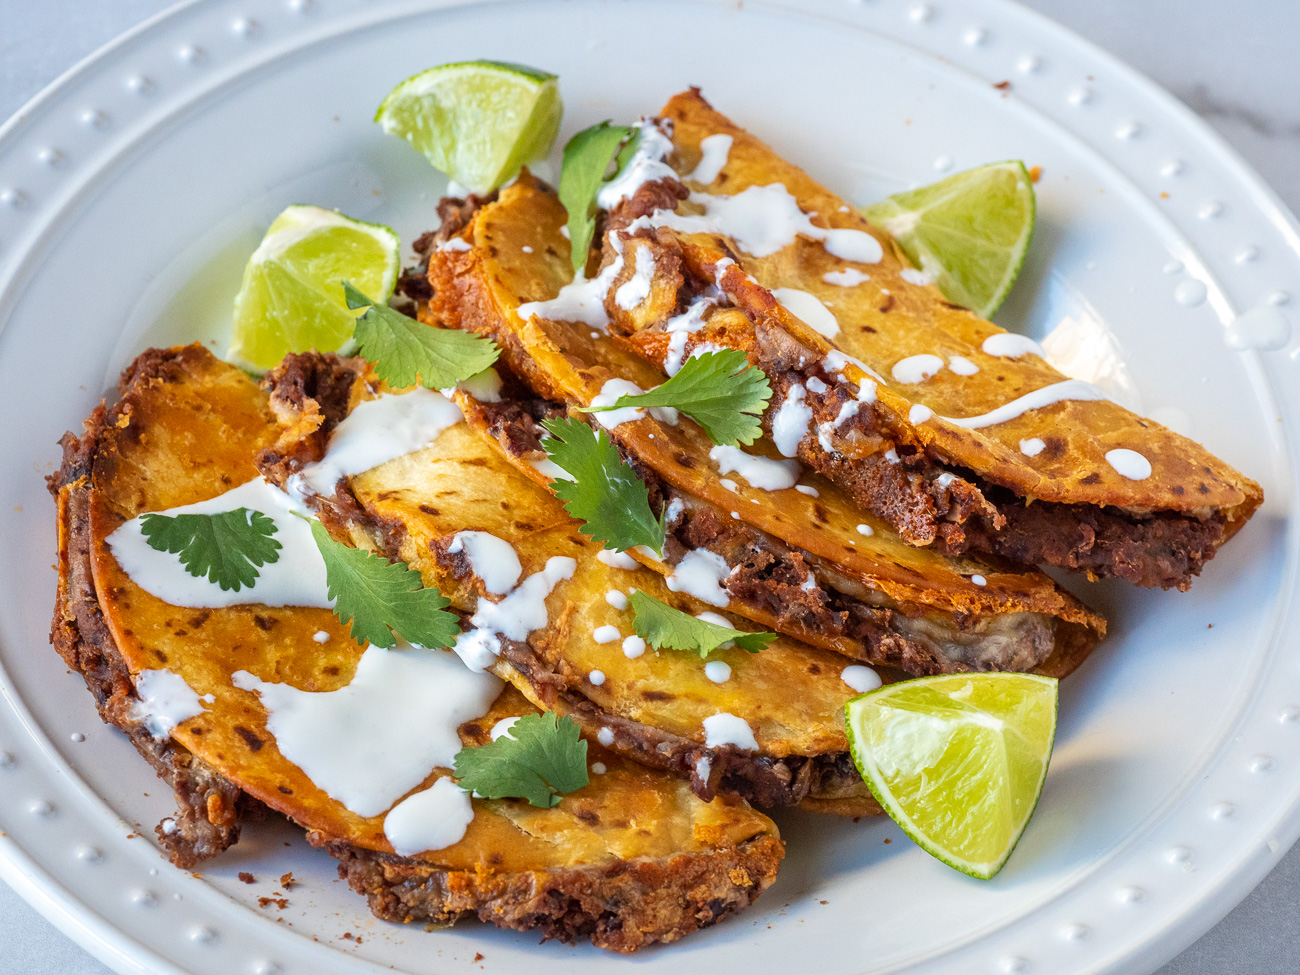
132	190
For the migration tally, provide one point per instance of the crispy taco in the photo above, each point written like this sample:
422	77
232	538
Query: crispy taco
244	705
796	554
957	433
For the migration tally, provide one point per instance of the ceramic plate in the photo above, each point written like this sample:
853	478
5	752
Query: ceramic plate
133	189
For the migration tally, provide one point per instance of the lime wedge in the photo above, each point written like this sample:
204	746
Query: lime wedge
477	121
291	299
968	233
958	760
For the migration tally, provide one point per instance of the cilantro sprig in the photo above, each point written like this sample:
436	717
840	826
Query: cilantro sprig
662	626
605	494
400	348
381	598
582	172
227	547
720	391
541	759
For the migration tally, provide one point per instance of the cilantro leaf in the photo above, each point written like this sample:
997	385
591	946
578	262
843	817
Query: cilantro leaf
659	625
605	494
400	348
381	598
226	547
720	391
586	158
540	759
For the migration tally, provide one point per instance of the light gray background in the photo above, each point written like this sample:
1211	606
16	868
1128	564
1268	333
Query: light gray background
1235	62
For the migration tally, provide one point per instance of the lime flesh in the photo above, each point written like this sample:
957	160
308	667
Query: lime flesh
477	121
291	298
968	232
957	760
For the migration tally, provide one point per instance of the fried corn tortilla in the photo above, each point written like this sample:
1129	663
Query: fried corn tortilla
651	706
964	482
871	595
631	859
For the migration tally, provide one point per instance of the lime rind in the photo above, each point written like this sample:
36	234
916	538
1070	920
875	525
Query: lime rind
930	737
300	220
969	232
290	299
479	122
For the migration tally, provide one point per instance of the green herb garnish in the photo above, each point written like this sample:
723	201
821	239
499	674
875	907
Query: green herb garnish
586	159
227	547
381	598
662	626
400	348
605	494
541	759
720	391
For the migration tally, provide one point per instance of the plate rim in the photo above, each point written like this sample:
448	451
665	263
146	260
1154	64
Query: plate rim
78	918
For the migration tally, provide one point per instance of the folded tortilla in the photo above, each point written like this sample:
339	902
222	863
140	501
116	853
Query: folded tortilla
802	559
631	859
651	706
970	439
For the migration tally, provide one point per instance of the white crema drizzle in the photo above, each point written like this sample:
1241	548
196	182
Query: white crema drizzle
916	368
646	165
165	700
1009	345
1129	464
701	574
809	309
763	473
727	729
296	578
679	329
714	150
791	422
378	431
1070	389
373	741
431	819
517	614
492	559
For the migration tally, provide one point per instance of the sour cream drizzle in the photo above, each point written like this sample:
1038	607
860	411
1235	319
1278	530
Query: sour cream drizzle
635	289
916	368
165	700
296	578
1129	464
492	559
609	395
763	473
791	421
727	729
431	819
518	614
1009	345
371	742
378	431
809	309
582	299
714	150
847	278
645	166
680	328
1070	389
701	574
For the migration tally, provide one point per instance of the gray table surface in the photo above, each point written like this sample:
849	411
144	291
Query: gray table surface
1234	63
